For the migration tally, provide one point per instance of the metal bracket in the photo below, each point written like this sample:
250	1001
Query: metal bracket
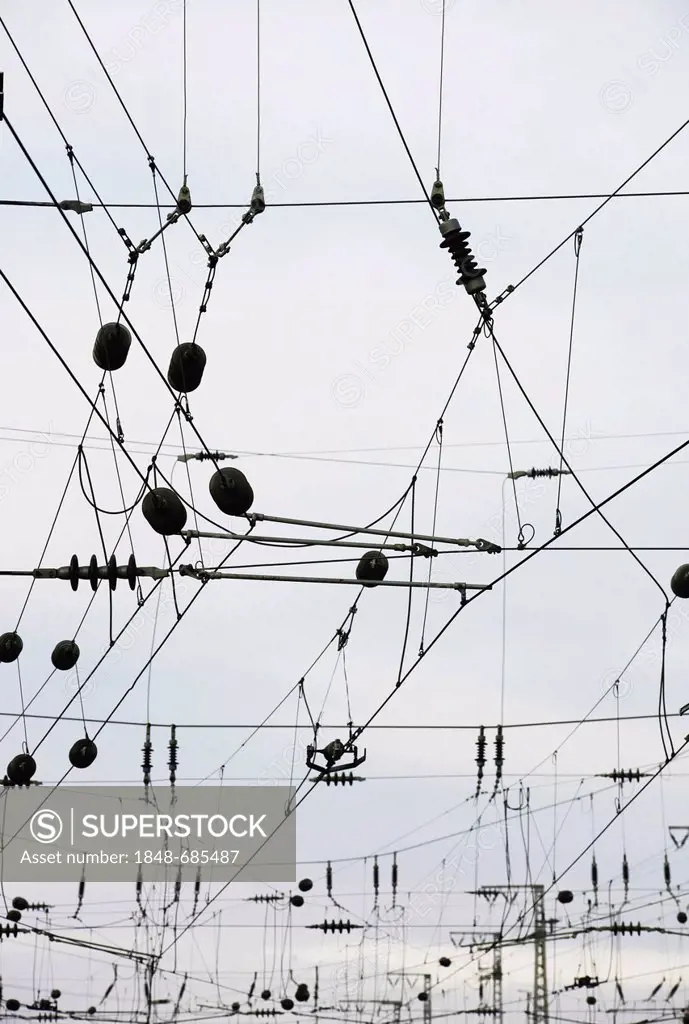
332	766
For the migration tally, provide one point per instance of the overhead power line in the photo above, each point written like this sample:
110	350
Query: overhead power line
316	204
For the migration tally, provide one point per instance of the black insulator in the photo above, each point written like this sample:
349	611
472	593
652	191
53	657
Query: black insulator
679	584
423	997
682	917
74	572
131	572
164	511
302	994
55	994
594	873
376	876
591	1000
329	879
372	568
265	994
65	655
186	367
19	903
287	1004
11	646
13	1005
94	577
21	769
455	240
231	491
172	755
306	885
666	872
444	961
13	915
236	1007
83	753
112	572
481	748
297	900
565	896
111	347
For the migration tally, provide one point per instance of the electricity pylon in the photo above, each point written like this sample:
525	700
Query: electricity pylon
539	1012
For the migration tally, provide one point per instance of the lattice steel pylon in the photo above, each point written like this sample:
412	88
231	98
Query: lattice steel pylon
540	982
539	1010
495	976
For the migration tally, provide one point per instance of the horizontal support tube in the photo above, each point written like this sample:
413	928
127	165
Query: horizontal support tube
189	570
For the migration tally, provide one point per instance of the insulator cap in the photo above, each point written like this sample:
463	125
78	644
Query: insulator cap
83	753
236	1007
111	347
297	900
302	994
306	885
21	769
11	646
682	917
91	1010
19	903
13	1005
444	961
65	655
184	200
187	363
55	994
423	997
373	566
287	1004
231	491
13	915
679	584
591	1000
438	195
164	511
265	994
565	896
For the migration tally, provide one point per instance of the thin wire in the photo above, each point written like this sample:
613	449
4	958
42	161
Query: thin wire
410	592
258	90
125	109
184	77
600	206
439	436
369	202
133	330
534	551
61	133
577	249
440	89
391	109
509	447
595	507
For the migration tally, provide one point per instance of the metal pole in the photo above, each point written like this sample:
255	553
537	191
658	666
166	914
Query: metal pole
300	541
189	570
460	541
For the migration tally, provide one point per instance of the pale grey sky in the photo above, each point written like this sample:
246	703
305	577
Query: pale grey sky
335	333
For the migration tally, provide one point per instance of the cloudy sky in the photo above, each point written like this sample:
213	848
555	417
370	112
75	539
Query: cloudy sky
334	334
